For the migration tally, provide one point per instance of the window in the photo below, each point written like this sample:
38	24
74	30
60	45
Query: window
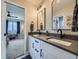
12	27
9	27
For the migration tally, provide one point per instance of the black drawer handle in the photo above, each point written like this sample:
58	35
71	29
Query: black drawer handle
40	52
36	50
32	45
36	41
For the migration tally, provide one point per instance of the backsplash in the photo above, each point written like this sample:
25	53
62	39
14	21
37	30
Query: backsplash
65	31
67	34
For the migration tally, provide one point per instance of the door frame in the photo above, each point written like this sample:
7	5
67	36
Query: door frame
13	3
4	4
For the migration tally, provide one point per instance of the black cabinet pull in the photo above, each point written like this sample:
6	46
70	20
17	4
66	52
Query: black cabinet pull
40	52
36	50
32	45
36	41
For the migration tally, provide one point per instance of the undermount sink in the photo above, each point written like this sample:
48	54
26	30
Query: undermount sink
35	35
60	42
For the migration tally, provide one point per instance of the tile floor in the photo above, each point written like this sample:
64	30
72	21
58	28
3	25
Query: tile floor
27	57
15	48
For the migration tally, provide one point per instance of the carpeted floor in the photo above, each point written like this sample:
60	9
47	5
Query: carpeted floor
15	48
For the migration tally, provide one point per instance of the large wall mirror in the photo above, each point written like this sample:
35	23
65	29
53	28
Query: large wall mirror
41	19
64	12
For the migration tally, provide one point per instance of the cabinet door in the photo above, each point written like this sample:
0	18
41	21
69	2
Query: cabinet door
52	52
38	50
34	48
47	52
31	47
57	53
37	54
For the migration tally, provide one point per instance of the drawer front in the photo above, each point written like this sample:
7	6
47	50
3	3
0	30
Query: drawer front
37	43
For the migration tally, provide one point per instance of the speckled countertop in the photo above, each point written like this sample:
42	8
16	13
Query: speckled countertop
73	48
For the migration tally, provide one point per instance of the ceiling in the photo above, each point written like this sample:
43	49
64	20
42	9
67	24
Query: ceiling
35	2
15	11
58	3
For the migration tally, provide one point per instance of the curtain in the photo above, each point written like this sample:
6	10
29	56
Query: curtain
18	27
6	26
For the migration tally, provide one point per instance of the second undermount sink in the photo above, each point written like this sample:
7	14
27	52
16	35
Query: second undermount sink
65	43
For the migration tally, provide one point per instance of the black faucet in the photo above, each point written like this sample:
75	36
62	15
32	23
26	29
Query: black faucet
61	35
39	31
47	33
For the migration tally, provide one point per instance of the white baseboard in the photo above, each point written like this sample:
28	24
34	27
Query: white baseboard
20	57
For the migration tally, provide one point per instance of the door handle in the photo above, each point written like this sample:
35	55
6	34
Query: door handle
41	53
5	34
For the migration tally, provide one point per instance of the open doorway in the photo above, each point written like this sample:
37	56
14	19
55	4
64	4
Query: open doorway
14	31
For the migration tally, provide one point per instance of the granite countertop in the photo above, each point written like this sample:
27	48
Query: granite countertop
73	48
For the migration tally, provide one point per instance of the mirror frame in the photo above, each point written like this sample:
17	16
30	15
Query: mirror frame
53	16
44	27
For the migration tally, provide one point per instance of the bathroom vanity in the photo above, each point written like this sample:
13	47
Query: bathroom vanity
60	17
44	47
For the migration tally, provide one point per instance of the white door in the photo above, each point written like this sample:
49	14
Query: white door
3	30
